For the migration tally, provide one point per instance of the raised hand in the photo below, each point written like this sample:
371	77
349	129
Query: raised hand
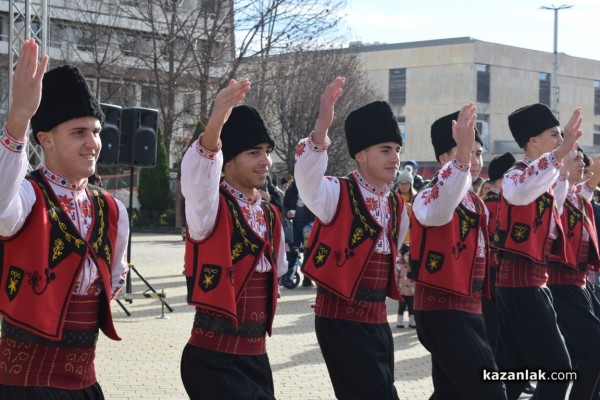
572	132
26	90
327	108
225	100
463	132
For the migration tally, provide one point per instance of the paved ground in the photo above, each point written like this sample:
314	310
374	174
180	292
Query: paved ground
145	364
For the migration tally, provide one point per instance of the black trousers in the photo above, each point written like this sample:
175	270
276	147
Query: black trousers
529	338
580	326
359	358
490	313
7	392
208	374
459	353
406	304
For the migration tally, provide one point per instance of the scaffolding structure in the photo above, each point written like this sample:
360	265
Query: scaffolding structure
29	20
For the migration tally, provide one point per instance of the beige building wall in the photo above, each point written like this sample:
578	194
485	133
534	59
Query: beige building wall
441	75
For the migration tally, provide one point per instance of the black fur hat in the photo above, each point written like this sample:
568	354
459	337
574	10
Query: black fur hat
65	96
369	125
499	165
441	134
243	130
530	121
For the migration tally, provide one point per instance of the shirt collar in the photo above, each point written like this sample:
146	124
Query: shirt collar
60	180
368	186
239	195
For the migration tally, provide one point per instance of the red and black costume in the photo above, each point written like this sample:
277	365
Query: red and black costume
351	256
234	254
574	300
528	236
448	262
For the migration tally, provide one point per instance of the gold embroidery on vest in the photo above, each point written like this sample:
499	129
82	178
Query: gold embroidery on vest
98	242
58	248
15	277
63	227
237	248
359	232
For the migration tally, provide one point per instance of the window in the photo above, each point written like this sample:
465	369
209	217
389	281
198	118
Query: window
596	97
85	40
118	93
482	125
402	126
127	43
483	83
596	135
397	87
208	6
189	103
544	88
3	28
150	97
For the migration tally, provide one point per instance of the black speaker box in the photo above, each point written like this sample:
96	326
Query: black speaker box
110	134
138	137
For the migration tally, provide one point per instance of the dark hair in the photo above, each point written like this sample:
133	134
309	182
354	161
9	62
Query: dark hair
404	249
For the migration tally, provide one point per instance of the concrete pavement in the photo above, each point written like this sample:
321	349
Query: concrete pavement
145	364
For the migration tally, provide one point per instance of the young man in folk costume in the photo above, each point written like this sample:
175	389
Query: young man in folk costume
353	246
496	170
529	229
448	262
54	300
573	296
235	252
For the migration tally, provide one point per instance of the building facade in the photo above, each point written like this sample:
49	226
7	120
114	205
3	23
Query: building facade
426	80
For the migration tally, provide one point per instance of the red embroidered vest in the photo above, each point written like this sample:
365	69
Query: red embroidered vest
337	253
524	230
36	286
219	267
573	222
492	201
443	257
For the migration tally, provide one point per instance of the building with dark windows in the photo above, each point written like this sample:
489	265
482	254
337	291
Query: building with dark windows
427	79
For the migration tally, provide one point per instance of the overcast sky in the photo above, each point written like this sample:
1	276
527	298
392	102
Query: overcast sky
517	23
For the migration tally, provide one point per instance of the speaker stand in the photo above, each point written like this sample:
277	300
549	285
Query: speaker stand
128	290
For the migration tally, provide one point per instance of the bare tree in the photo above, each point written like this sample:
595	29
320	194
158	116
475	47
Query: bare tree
292	107
91	34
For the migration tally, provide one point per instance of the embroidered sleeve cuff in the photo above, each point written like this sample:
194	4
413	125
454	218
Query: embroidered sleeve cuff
10	143
584	189
461	166
319	148
204	152
556	163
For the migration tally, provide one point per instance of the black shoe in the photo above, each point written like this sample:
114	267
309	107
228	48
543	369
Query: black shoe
307	282
529	388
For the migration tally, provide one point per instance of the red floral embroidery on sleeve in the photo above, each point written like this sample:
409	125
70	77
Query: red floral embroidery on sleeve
300	149
431	195
445	174
543	164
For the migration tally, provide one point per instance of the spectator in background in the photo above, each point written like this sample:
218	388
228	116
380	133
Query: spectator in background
418	181
477	183
300	215
485	187
268	192
406	288
283	185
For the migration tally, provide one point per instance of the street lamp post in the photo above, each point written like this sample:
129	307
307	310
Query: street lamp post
554	77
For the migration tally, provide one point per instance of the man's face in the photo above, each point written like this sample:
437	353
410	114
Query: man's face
548	140
249	169
72	148
378	163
